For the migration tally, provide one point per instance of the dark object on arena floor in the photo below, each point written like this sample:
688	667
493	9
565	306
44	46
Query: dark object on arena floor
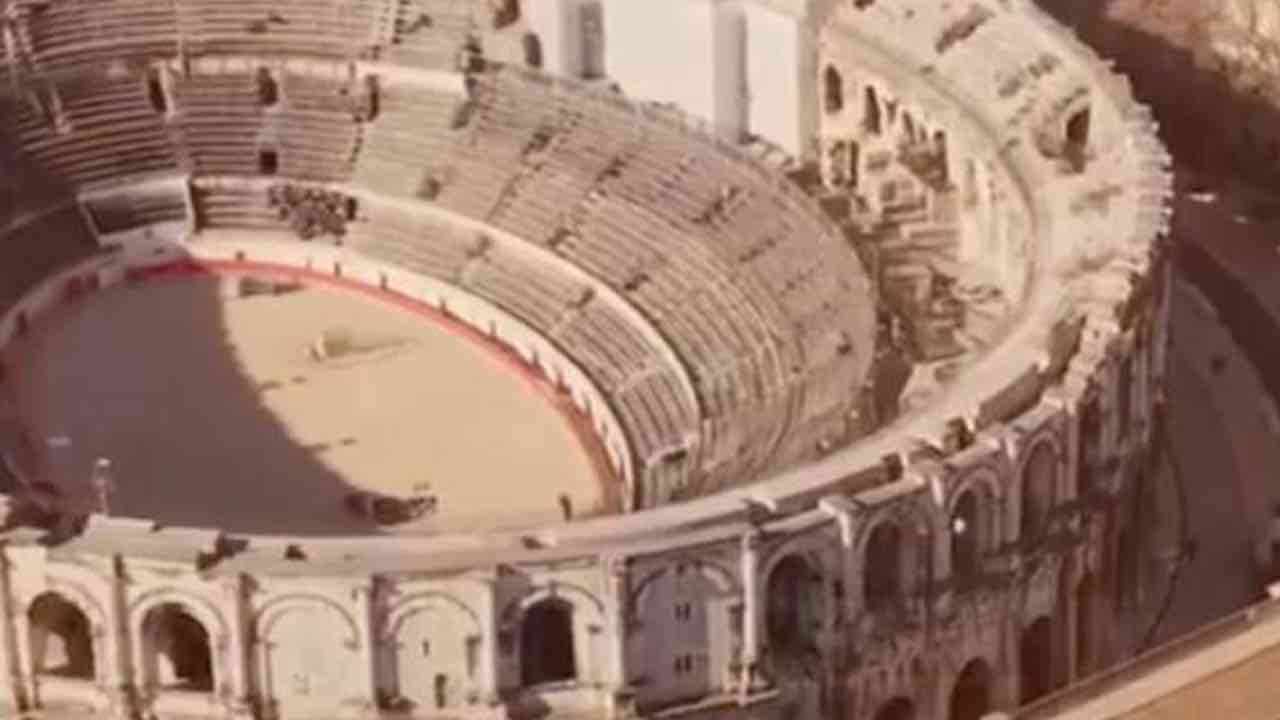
387	510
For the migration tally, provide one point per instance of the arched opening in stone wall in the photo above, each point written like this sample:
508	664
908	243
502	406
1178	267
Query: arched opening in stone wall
791	612
883	576
1078	126
532	46
1077	132
832	90
1087	448
155	92
268	90
967	530
1037	491
1124	398
1035	657
899	708
177	654
1084	626
547	643
940	153
971	696
871	111
61	640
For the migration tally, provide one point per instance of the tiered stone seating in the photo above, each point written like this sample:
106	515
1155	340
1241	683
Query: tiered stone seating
337	28
524	289
218	118
35	250
509	113
410	139
134	209
233	205
317	128
67	34
562	175
654	411
104	130
608	347
419	244
430	33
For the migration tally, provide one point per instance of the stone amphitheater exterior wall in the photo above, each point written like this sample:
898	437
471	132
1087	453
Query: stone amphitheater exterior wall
677	610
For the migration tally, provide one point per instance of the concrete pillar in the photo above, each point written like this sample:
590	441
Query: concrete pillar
752	605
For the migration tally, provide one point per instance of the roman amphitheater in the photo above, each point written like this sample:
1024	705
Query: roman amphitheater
841	323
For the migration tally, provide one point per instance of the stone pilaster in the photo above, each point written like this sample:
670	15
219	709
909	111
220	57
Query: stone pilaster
618	582
752	607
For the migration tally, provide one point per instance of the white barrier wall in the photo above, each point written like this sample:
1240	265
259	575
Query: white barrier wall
552	22
779	58
658	50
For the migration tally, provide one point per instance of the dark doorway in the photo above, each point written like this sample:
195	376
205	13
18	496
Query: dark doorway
1084	627
61	641
178	653
965	535
897	709
871	111
155	92
971	696
833	90
532	50
1037	491
1036	660
789	615
883	566
546	643
268	162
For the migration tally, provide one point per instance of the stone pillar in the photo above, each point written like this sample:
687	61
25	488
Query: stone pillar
752	604
16	691
849	565
364	596
622	697
240	702
490	607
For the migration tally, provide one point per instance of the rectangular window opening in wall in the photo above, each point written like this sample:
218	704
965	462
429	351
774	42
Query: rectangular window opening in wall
268	161
155	92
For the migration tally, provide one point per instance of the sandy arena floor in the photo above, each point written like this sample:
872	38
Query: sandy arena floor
213	413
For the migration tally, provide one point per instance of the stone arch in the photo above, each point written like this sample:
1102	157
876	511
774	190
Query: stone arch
199	607
883	565
725	581
832	90
792	605
689	599
971	692
918	527
1085	607
79	595
307	650
265	619
547	643
61	638
433	640
871	113
898	708
1035	660
1038	481
178	650
412	603
532	47
586	613
966	536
